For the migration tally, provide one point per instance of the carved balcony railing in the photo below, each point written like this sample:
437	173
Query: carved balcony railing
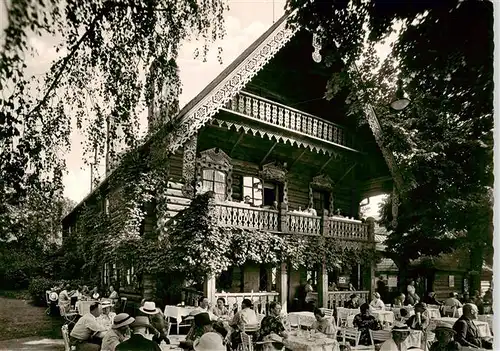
289	118
303	224
242	216
261	300
339	298
235	214
346	229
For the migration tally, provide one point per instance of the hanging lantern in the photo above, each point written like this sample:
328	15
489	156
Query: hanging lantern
400	102
316	43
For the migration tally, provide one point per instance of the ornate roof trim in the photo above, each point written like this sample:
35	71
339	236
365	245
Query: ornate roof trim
202	108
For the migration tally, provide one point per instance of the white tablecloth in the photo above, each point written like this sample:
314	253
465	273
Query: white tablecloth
384	316
488	318
304	318
83	306
483	328
178	312
317	342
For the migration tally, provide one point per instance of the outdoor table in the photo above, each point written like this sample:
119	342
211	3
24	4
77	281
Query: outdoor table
483	329
434	313
304	318
384	316
83	306
397	311
488	318
310	342
415	339
178	312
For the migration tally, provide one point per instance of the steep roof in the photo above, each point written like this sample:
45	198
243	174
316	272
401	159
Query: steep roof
201	109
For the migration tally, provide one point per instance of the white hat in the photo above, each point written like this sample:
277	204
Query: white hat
209	342
149	308
121	320
106	304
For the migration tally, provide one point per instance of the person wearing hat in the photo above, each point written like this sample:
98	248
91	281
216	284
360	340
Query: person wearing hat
87	333
118	333
138	340
444	338
107	317
377	304
420	320
202	325
397	343
209	342
365	322
157	320
353	302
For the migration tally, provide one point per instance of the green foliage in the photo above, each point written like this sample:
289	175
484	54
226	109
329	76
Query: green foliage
38	287
113	57
442	143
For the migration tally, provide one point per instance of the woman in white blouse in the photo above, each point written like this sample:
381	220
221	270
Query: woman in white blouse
377	303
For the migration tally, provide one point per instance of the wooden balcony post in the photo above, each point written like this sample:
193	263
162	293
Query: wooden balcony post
283	287
323	287
324	222
371	238
209	289
283	218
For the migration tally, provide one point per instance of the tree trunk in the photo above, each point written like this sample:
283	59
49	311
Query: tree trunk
403	267
476	267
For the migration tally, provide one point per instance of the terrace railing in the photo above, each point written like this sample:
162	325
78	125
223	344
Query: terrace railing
261	300
339	298
285	117
240	215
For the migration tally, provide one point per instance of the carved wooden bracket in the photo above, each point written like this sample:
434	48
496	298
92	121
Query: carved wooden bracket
322	182
274	171
215	159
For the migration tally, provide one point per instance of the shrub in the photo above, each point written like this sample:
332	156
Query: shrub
37	288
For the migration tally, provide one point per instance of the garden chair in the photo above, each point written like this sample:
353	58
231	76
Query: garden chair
354	335
246	342
65	335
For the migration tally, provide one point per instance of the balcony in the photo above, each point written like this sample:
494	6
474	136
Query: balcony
236	214
275	114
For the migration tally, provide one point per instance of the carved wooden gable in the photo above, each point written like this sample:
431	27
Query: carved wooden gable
322	182
274	171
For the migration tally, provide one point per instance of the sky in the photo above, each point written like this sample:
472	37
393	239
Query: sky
246	20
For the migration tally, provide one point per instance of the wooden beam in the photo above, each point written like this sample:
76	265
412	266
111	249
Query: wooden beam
297	159
236	143
268	153
326	164
346	173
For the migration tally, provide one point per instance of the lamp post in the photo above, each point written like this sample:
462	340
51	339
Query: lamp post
400	102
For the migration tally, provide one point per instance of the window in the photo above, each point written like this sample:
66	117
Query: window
215	181
320	200
312	275
252	187
106	206
105	275
274	275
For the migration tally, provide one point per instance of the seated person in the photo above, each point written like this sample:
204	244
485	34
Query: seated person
138	340
323	324
95	293
64	299
272	324
377	304
157	320
220	310
444	338
364	322
397	343
430	299
107	317
245	316
353	302
452	301
404	314
420	320
202	324
466	331
87	333
204	306
113	295
118	333
210	342
399	301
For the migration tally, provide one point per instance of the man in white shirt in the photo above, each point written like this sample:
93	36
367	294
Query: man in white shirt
87	333
204	306
246	316
397	342
377	304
